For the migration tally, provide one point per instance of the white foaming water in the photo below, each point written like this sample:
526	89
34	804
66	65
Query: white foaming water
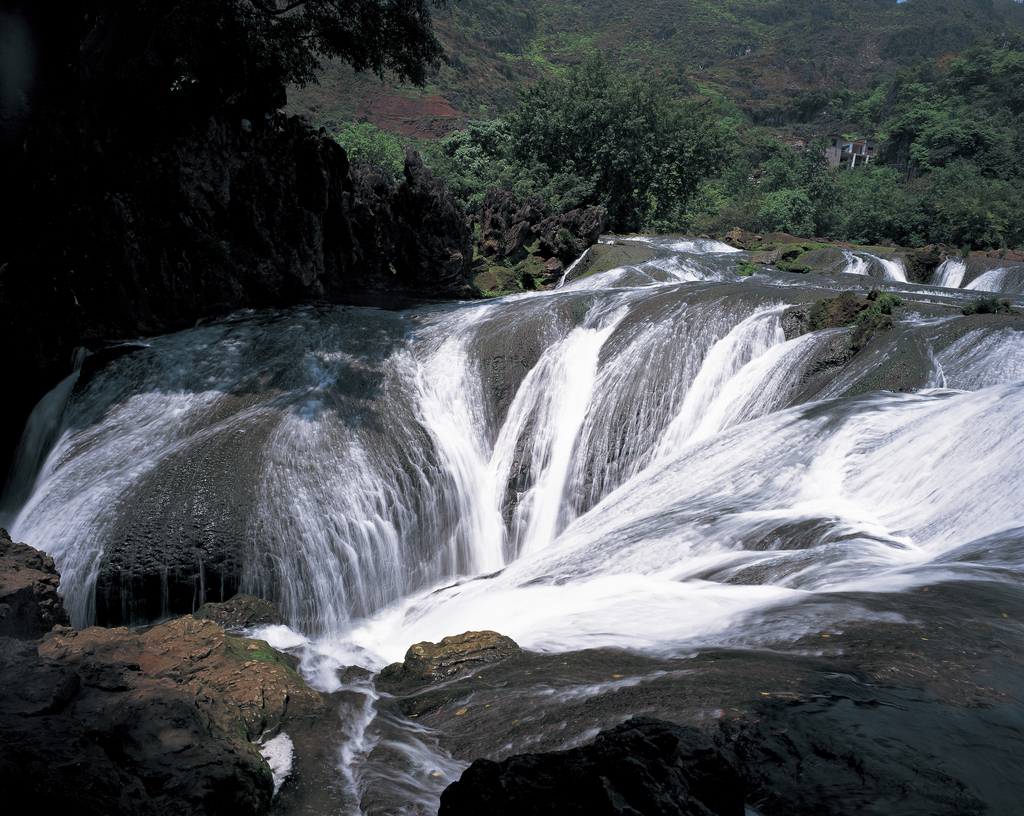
865	490
892	270
855	265
279	753
718	395
568	271
42	430
1005	280
545	418
697	246
949	274
596	467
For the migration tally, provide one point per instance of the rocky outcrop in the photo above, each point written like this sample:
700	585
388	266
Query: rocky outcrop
434	252
427	662
506	223
643	766
566	236
524	249
30	605
1008	256
784	257
921	263
867	315
114	721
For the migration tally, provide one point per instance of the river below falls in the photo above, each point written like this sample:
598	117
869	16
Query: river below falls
673	508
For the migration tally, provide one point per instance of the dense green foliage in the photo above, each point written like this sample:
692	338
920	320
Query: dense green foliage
593	137
364	142
950	168
990	305
756	53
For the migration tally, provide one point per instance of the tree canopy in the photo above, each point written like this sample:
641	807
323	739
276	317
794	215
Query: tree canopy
642	151
592	137
211	53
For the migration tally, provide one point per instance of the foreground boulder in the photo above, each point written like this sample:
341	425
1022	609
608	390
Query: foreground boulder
240	612
29	603
644	766
427	662
114	721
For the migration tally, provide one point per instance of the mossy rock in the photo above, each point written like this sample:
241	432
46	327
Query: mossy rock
867	315
427	663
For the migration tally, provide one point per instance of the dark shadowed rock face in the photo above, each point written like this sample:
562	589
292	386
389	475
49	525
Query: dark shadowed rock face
566	236
148	233
30	605
506	223
431	662
434	250
644	766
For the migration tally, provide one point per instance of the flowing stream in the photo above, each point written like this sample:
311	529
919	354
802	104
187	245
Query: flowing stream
638	460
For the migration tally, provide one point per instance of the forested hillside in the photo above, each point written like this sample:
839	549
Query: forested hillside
757	55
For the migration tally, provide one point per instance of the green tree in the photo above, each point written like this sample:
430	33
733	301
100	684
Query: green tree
787	211
969	210
641	152
873	206
364	141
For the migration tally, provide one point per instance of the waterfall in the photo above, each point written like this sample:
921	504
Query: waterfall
855	265
949	274
868	264
345	459
639	460
892	270
1005	279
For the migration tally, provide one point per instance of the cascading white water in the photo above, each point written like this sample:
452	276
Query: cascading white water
892	270
1005	279
600	466
855	265
949	274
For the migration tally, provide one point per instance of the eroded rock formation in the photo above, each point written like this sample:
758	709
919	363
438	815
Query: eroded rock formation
30	605
522	248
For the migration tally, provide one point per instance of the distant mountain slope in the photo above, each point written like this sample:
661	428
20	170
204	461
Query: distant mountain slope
757	54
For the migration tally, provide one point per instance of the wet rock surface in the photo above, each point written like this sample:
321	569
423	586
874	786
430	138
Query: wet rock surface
427	663
642	766
29	602
240	612
887	716
602	257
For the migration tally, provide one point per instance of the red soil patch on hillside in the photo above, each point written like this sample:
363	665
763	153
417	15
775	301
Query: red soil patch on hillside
424	117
